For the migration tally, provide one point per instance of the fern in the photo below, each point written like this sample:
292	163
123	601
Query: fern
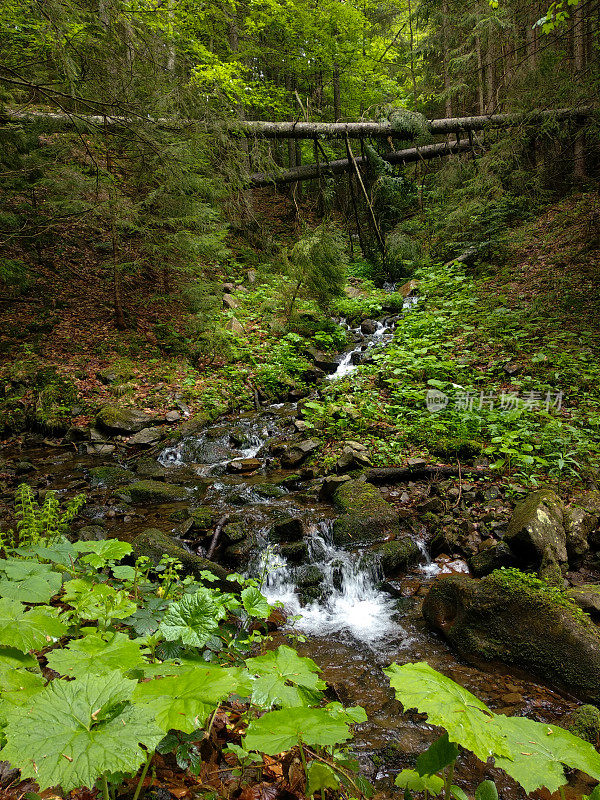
47	523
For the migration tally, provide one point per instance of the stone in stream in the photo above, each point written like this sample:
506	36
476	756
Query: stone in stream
289	529
294	552
155	492
502	618
154	543
322	360
294	454
585	723
366	516
396	556
536	533
330	484
244	465
146	437
368	326
587	598
92	533
491	558
148	467
204	518
110	476
116	419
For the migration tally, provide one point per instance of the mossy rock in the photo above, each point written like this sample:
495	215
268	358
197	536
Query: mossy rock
117	419
294	552
235	531
516	619
240	552
585	723
204	518
110	476
536	532
587	598
309	575
147	467
396	556
366	517
154	544
268	490
155	492
490	559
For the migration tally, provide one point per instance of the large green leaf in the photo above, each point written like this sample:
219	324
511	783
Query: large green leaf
97	655
278	731
285	679
28	581
438	755
100	553
28	630
410	779
320	776
60	551
182	702
537	752
103	603
467	720
255	604
74	731
193	619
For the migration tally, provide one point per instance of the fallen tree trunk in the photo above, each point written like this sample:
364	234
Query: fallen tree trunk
304	130
309	171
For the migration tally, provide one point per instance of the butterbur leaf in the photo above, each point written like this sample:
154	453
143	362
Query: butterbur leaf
28	630
97	655
537	752
255	604
193	619
320	776
466	719
60	551
18	686
486	791
28	581
277	731
10	658
99	553
123	573
409	779
285	679
74	731
183	702
595	794
104	603
354	714
457	793
438	755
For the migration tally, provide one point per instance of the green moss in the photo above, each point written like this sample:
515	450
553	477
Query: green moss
156	492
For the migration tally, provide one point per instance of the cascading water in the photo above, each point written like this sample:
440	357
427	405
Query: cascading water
350	603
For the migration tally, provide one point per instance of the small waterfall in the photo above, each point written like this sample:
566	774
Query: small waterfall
350	603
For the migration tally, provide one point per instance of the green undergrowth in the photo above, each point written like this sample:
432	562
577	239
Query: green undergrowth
543	421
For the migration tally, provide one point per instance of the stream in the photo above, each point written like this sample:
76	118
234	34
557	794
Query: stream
351	626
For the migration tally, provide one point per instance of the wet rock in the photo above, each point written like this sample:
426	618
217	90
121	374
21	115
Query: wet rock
268	490
235	532
194	425
324	362
433	505
204	518
587	598
295	454
91	533
313	375
116	419
352	458
366	517
289	529
240	552
408	288
155	492
244	465
309	575
154	544
110	476
368	326
146	437
150	468
99	449
330	484
579	525
504	619
294	552
490	558
585	723
536	532
229	301
397	556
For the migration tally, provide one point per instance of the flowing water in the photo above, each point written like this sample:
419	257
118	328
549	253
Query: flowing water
353	627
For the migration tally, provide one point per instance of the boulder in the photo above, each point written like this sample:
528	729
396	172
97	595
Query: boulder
366	517
536	532
408	288
294	552
110	476
520	621
195	425
396	556
579	526
352	458
330	485
148	467
229	301
491	558
172	416
92	533
587	598
156	492
154	544
116	419
324	362
146	437
368	326
204	518
585	723
289	529
235	326
295	454
244	465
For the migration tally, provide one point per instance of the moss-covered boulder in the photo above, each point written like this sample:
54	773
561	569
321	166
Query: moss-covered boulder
587	598
154	544
155	492
519	620
585	723
116	419
204	518
396	556
536	532
579	526
366	517
491	558
110	476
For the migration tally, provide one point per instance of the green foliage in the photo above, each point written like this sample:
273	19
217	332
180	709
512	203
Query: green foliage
193	619
285	679
317	265
47	523
277	731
